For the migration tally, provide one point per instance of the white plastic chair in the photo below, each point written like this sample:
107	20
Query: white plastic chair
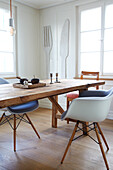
89	109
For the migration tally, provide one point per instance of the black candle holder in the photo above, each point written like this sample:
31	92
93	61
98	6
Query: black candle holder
51	76
57	78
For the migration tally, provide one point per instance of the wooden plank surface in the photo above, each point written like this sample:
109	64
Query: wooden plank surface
12	96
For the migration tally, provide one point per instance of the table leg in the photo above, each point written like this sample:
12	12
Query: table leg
54	112
55	107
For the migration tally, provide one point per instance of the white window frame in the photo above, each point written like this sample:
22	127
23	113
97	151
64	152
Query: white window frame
102	4
11	74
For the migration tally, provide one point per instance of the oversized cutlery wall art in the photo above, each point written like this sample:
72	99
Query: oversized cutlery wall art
47	44
64	47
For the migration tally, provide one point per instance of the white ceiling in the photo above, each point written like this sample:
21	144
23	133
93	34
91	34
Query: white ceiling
39	4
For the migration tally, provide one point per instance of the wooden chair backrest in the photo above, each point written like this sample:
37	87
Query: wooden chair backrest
88	73
12	78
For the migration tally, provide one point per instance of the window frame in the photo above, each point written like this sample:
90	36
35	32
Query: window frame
11	74
81	8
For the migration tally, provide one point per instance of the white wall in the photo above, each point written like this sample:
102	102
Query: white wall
27	41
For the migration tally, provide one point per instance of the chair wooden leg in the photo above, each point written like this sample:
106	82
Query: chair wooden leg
67	103
32	126
67	121
70	141
85	128
103	137
101	147
67	109
14	133
2	117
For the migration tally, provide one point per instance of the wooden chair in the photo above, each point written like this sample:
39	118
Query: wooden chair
74	95
93	108
87	73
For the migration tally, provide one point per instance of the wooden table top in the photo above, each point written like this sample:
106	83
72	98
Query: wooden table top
12	96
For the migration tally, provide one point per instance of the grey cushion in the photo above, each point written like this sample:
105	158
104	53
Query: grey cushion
24	108
95	93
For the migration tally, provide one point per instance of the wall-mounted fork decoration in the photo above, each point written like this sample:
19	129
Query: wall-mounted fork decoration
47	43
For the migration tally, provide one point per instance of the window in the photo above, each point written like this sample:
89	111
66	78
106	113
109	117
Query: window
108	40
96	38
7	44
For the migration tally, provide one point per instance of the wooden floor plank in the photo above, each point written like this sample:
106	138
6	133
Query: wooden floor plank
46	153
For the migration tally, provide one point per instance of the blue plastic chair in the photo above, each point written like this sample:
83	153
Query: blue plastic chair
18	112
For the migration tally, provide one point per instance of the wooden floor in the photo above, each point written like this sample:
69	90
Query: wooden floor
46	153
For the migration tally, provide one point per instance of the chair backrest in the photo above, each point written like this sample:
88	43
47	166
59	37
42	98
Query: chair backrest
88	73
90	109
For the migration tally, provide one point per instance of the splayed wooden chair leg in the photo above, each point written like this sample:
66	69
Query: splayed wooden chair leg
101	147
32	126
14	133
103	137
70	141
2	117
67	109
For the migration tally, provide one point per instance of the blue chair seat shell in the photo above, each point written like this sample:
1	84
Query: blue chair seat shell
95	93
24	108
2	81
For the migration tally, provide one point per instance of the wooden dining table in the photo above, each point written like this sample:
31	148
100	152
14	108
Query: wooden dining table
12	96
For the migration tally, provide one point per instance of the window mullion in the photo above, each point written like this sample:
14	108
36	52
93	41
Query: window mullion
102	39
79	43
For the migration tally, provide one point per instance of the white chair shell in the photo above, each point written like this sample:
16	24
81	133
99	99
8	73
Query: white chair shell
89	109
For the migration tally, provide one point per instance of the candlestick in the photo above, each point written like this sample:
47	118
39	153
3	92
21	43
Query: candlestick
51	75
57	78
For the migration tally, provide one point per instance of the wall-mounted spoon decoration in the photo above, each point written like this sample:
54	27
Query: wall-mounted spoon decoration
64	45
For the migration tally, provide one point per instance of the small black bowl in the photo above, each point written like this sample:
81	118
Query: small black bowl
35	80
